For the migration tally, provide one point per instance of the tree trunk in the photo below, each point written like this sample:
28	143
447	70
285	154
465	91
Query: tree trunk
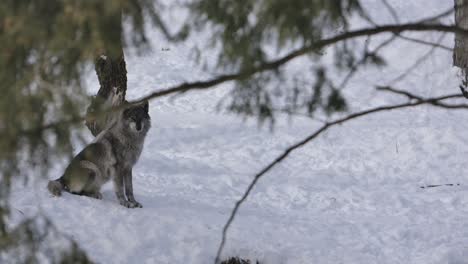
460	51
111	72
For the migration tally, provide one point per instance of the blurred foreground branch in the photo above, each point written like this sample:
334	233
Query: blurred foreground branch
272	65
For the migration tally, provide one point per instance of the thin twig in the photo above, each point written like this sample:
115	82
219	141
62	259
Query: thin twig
424	42
416	63
362	61
391	10
434	18
311	137
439	16
419	98
397	91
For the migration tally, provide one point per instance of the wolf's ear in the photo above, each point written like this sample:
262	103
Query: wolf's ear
146	106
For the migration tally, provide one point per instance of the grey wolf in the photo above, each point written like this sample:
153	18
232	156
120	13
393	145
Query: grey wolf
111	156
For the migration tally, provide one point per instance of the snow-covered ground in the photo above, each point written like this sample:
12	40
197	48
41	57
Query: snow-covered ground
351	196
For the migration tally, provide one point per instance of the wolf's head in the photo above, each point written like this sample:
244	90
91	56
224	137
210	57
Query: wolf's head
136	119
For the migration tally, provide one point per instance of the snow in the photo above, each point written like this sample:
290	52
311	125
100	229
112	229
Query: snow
351	196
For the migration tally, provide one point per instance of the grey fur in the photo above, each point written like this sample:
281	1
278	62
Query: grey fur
112	155
55	187
115	98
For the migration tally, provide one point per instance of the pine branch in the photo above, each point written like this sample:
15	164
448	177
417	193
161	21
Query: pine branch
363	61
269	66
276	64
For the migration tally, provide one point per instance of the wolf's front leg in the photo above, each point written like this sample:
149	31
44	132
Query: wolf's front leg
129	189
119	189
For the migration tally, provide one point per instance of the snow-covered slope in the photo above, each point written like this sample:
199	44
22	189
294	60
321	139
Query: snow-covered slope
351	196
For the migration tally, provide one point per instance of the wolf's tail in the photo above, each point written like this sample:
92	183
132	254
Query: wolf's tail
55	187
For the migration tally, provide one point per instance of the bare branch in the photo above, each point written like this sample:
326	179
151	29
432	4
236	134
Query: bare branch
433	101
416	63
400	92
419	98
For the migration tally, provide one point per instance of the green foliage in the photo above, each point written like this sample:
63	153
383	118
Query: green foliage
335	103
246	29
251	99
33	240
375	59
46	47
48	44
251	33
